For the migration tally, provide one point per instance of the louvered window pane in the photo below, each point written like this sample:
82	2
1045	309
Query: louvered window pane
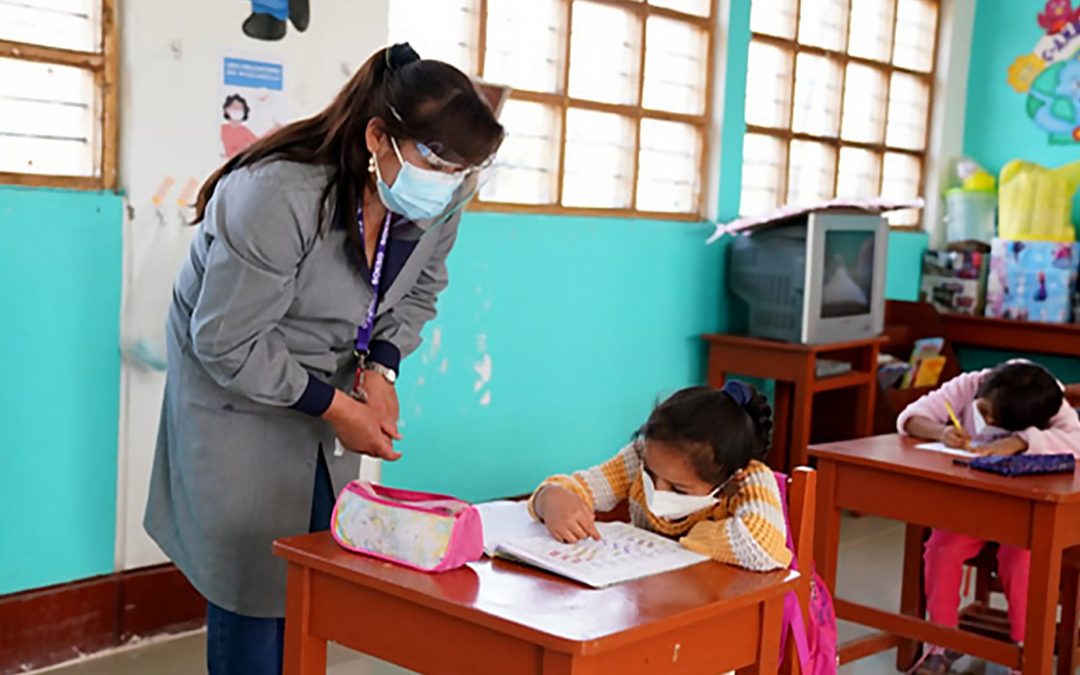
764	165
669	167
49	119
676	62
909	99
812	173
446	30
698	7
773	17
527	164
901	180
916	34
599	159
768	86
524	44
864	104
604	53
817	95
871	29
823	23
860	174
67	24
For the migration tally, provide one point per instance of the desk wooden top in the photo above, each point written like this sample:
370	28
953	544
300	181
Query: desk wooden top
899	454
722	339
545	609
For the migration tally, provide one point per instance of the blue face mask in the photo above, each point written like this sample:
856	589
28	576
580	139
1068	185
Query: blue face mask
418	194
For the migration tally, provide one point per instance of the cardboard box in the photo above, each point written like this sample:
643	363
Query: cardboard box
955	281
1032	280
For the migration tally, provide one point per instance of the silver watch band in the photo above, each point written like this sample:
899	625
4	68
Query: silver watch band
388	374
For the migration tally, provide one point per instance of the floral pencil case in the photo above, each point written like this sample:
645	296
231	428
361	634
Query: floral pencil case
427	532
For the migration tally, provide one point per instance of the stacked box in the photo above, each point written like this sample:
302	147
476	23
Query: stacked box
955	281
1032	280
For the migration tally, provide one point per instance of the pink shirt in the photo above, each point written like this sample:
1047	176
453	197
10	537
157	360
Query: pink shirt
1062	436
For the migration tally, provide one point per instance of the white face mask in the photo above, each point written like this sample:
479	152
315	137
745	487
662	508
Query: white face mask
235	115
673	506
977	419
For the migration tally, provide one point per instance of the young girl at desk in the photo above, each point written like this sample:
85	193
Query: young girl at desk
694	472
1013	408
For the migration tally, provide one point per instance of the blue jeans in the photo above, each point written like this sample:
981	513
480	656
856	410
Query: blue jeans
247	645
279	9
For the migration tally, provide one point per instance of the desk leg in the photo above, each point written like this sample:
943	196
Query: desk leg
305	654
768	657
802	405
781	453
827	541
1043	583
912	598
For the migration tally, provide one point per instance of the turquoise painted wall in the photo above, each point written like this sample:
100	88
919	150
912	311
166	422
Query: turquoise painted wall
586	321
996	127
60	275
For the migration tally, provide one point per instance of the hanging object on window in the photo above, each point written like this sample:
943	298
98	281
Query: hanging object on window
270	19
1050	74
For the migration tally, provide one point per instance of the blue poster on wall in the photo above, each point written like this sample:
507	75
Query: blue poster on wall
1050	74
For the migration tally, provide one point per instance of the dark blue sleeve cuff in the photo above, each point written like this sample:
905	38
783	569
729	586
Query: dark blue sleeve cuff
316	397
385	353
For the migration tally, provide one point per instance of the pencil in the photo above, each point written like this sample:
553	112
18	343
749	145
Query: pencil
955	421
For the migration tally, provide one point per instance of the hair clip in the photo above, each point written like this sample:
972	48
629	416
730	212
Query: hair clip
740	392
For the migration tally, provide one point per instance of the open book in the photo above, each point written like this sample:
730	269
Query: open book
623	553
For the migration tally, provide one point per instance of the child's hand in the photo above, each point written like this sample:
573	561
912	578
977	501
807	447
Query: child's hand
1013	445
567	517
954	438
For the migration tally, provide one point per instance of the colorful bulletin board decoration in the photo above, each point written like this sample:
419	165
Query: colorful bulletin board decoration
1050	74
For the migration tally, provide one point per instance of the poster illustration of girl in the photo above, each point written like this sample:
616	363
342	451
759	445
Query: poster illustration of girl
235	135
270	19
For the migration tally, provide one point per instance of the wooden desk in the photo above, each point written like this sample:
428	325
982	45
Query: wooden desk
792	366
493	618
887	476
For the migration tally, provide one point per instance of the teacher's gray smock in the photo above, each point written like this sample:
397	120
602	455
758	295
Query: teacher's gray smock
264	314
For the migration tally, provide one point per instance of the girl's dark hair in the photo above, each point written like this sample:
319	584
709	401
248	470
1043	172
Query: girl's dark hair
235	98
1022	395
720	435
427	101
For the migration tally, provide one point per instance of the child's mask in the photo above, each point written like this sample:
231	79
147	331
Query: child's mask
673	506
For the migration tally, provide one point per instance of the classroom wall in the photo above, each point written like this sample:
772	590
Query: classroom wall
998	129
170	119
60	302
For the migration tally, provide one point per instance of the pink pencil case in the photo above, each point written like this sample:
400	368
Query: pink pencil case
427	532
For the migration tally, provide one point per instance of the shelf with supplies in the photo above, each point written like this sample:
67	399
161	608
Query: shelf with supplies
1058	339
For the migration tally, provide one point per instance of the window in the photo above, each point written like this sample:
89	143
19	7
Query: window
58	93
838	101
610	100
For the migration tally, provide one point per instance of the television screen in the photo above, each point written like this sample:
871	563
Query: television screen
847	284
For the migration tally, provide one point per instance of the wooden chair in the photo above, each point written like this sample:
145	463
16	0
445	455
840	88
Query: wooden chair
979	617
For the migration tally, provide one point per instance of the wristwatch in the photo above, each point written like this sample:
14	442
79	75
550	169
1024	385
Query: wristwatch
388	374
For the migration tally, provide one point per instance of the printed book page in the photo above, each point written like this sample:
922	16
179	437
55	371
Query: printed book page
505	521
624	553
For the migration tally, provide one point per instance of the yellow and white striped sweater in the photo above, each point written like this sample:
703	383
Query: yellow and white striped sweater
745	529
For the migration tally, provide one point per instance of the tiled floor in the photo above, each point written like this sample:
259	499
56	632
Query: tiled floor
870	559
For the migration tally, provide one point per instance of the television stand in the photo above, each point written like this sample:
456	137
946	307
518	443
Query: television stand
793	367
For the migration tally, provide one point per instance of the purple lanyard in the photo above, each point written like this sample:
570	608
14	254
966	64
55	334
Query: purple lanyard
363	333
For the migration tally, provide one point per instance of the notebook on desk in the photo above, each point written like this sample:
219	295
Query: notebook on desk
624	552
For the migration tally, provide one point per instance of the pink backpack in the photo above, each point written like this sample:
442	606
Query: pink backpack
815	641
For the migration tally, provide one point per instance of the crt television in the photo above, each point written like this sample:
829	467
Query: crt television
814	279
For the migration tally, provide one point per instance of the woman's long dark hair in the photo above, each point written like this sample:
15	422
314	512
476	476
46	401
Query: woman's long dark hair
437	104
